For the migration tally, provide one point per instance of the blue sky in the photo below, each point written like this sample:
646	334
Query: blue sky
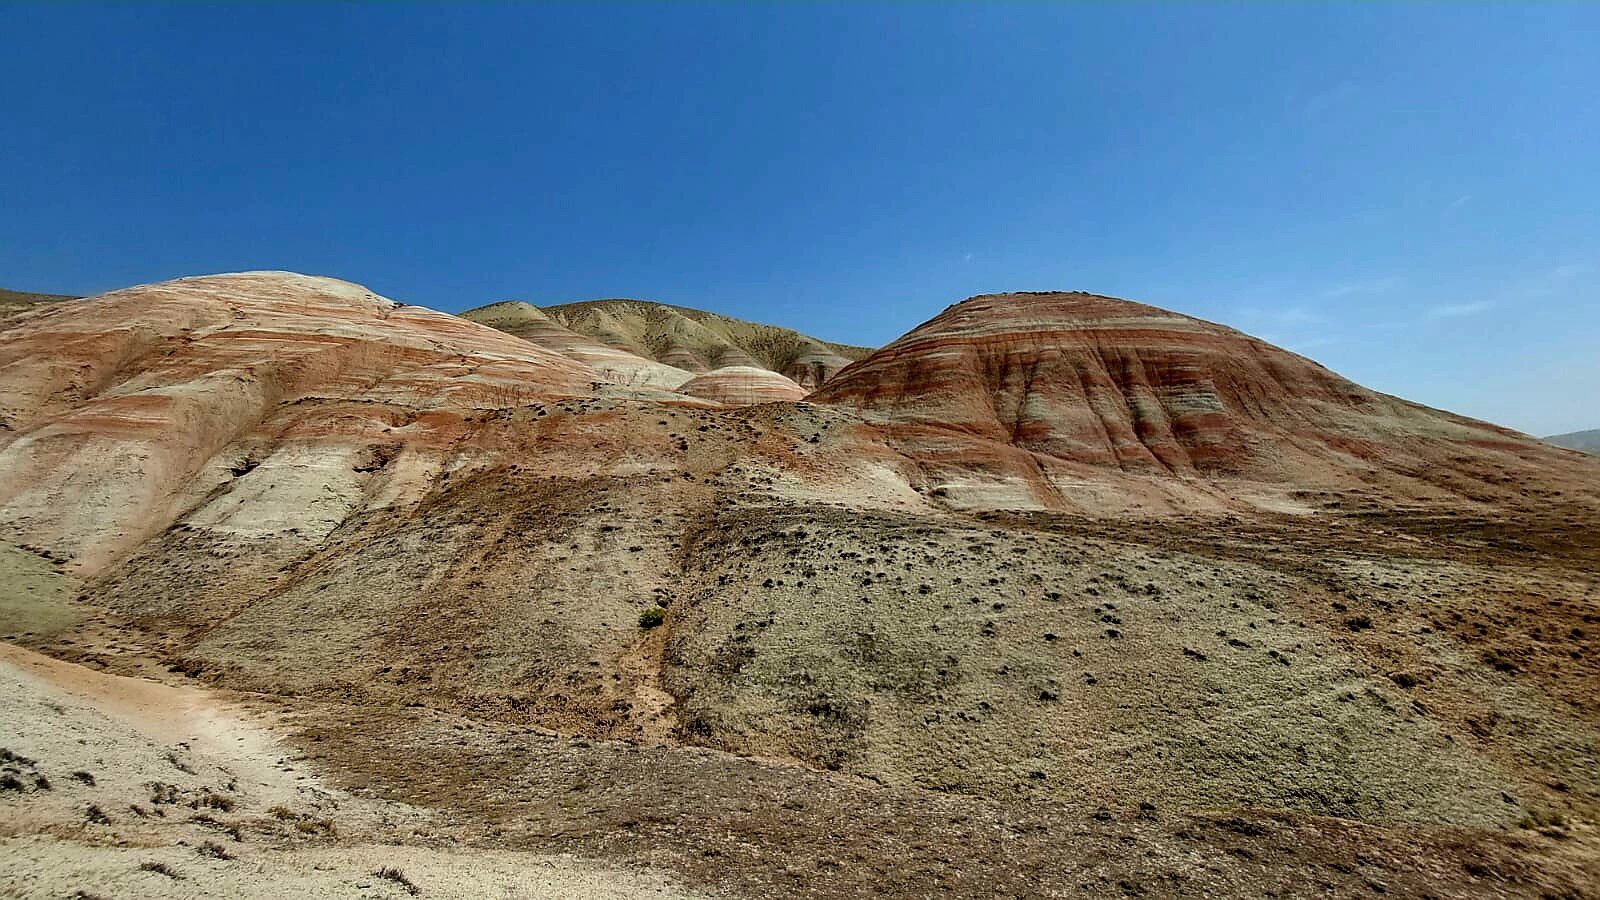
1409	194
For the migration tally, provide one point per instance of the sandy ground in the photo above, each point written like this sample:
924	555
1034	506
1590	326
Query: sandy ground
113	777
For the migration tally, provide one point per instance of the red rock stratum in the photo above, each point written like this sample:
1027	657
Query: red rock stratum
1051	392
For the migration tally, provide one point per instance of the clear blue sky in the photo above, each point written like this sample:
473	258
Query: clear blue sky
1409	194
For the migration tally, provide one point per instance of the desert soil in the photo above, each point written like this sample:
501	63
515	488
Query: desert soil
130	787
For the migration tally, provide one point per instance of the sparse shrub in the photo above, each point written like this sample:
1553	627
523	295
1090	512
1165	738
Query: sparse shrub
85	777
213	850
652	617
210	822
1545	821
1358	623
179	764
215	801
308	826
96	815
160	868
9	782
1500	661
1242	826
390	873
42	783
161	792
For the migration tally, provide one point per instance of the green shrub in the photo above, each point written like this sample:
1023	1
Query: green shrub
652	617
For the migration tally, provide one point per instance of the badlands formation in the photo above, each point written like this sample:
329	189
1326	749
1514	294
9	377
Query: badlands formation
1057	595
701	341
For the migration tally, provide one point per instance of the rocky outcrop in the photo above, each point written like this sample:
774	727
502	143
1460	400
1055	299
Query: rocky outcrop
528	322
743	386
1042	397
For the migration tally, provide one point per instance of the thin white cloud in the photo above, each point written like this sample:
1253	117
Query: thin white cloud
1371	286
1553	281
1457	310
1337	95
1566	274
1457	203
1310	343
1298	315
1280	316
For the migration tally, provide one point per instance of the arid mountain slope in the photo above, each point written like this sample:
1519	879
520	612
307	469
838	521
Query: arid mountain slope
1586	441
1046	397
699	341
528	322
258	402
824	649
14	303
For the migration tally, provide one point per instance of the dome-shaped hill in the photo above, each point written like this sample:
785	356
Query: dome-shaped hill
743	386
114	410
1080	382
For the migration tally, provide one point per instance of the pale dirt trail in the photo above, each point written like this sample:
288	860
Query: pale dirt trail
226	770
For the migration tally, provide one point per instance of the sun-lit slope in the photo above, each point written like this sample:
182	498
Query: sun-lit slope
1044	399
262	401
699	341
528	322
343	500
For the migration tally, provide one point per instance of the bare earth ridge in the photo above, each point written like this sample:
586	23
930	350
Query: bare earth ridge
1057	595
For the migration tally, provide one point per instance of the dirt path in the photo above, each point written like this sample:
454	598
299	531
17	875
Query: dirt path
191	719
119	786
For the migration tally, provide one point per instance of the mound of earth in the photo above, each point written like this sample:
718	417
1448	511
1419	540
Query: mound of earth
1047	398
700	341
743	386
259	402
869	643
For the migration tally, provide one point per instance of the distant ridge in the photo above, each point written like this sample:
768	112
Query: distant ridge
15	303
699	341
1587	441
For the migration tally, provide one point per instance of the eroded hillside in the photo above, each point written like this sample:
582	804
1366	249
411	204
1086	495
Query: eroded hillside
824	648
